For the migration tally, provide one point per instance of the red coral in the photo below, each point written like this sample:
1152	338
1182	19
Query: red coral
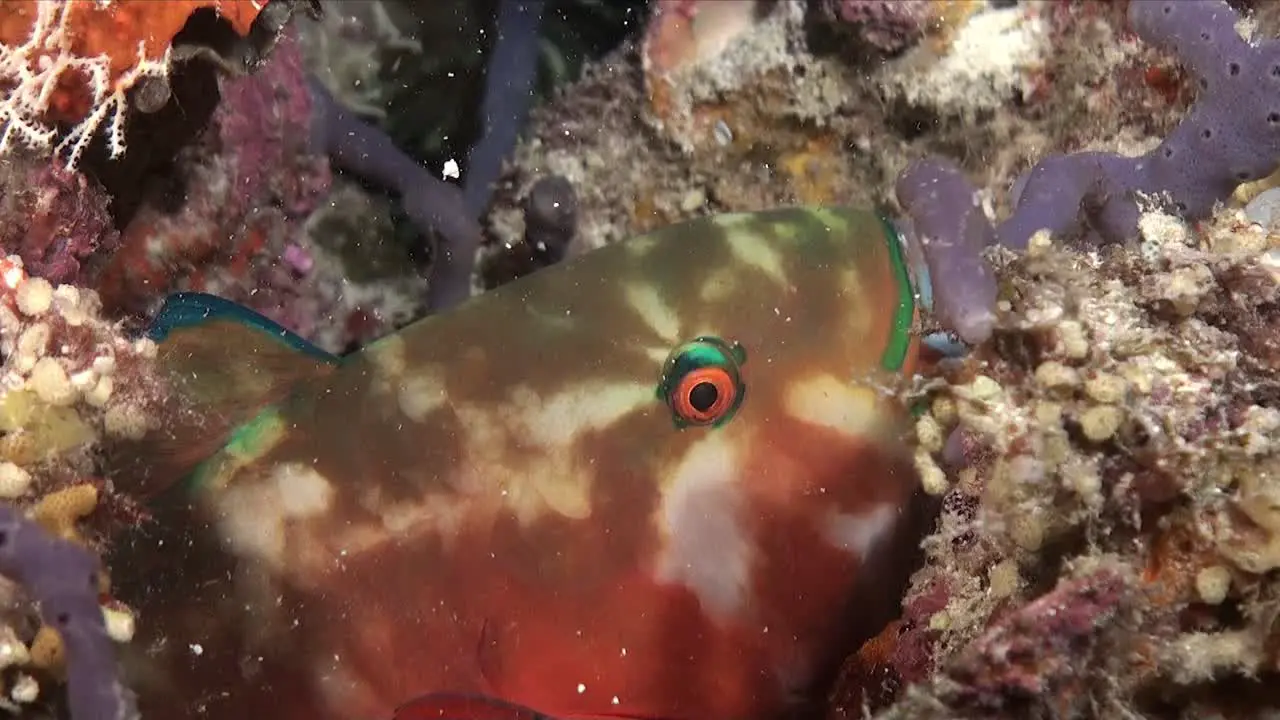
902	654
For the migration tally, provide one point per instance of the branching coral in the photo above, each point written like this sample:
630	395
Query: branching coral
55	219
73	62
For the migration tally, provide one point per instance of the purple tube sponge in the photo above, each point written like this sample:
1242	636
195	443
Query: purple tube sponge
63	579
434	206
508	95
1231	135
431	204
948	224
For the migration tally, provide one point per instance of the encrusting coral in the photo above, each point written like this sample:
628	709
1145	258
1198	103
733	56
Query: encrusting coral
70	379
1231	136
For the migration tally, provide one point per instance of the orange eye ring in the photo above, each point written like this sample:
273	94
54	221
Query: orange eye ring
701	383
704	395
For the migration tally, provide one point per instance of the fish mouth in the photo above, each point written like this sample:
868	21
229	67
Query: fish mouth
901	232
906	261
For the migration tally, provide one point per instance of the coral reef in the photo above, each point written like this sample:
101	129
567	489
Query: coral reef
744	113
1118	438
73	63
226	212
252	175
1105	454
70	380
252	182
1231	136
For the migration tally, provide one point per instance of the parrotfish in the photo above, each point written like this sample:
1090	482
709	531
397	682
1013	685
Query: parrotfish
666	479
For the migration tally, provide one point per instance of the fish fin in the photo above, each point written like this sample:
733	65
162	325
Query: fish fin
223	364
464	706
471	706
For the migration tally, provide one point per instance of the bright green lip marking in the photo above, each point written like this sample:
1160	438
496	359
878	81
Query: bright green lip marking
248	442
895	351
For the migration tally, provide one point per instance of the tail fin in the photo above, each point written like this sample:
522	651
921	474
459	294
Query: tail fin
223	364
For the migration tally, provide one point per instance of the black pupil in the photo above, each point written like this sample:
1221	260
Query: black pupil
703	396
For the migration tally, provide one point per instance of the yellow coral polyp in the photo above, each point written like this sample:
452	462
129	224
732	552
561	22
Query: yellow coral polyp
35	430
58	512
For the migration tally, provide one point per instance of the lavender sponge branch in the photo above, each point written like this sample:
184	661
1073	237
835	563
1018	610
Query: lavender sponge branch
508	95
1230	136
63	579
432	204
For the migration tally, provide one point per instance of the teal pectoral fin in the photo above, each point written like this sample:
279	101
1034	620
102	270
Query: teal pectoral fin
223	364
188	311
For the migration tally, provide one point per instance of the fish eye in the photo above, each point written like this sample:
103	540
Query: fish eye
702	383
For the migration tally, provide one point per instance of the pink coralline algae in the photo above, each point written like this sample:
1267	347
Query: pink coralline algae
1035	652
263	128
247	185
902	655
887	25
55	219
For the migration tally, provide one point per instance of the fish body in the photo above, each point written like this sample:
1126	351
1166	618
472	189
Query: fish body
665	479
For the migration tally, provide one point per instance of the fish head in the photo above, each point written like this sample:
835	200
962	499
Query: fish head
779	486
779	341
666	479
703	457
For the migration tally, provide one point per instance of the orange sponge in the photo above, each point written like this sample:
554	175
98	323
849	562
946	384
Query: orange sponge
70	62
